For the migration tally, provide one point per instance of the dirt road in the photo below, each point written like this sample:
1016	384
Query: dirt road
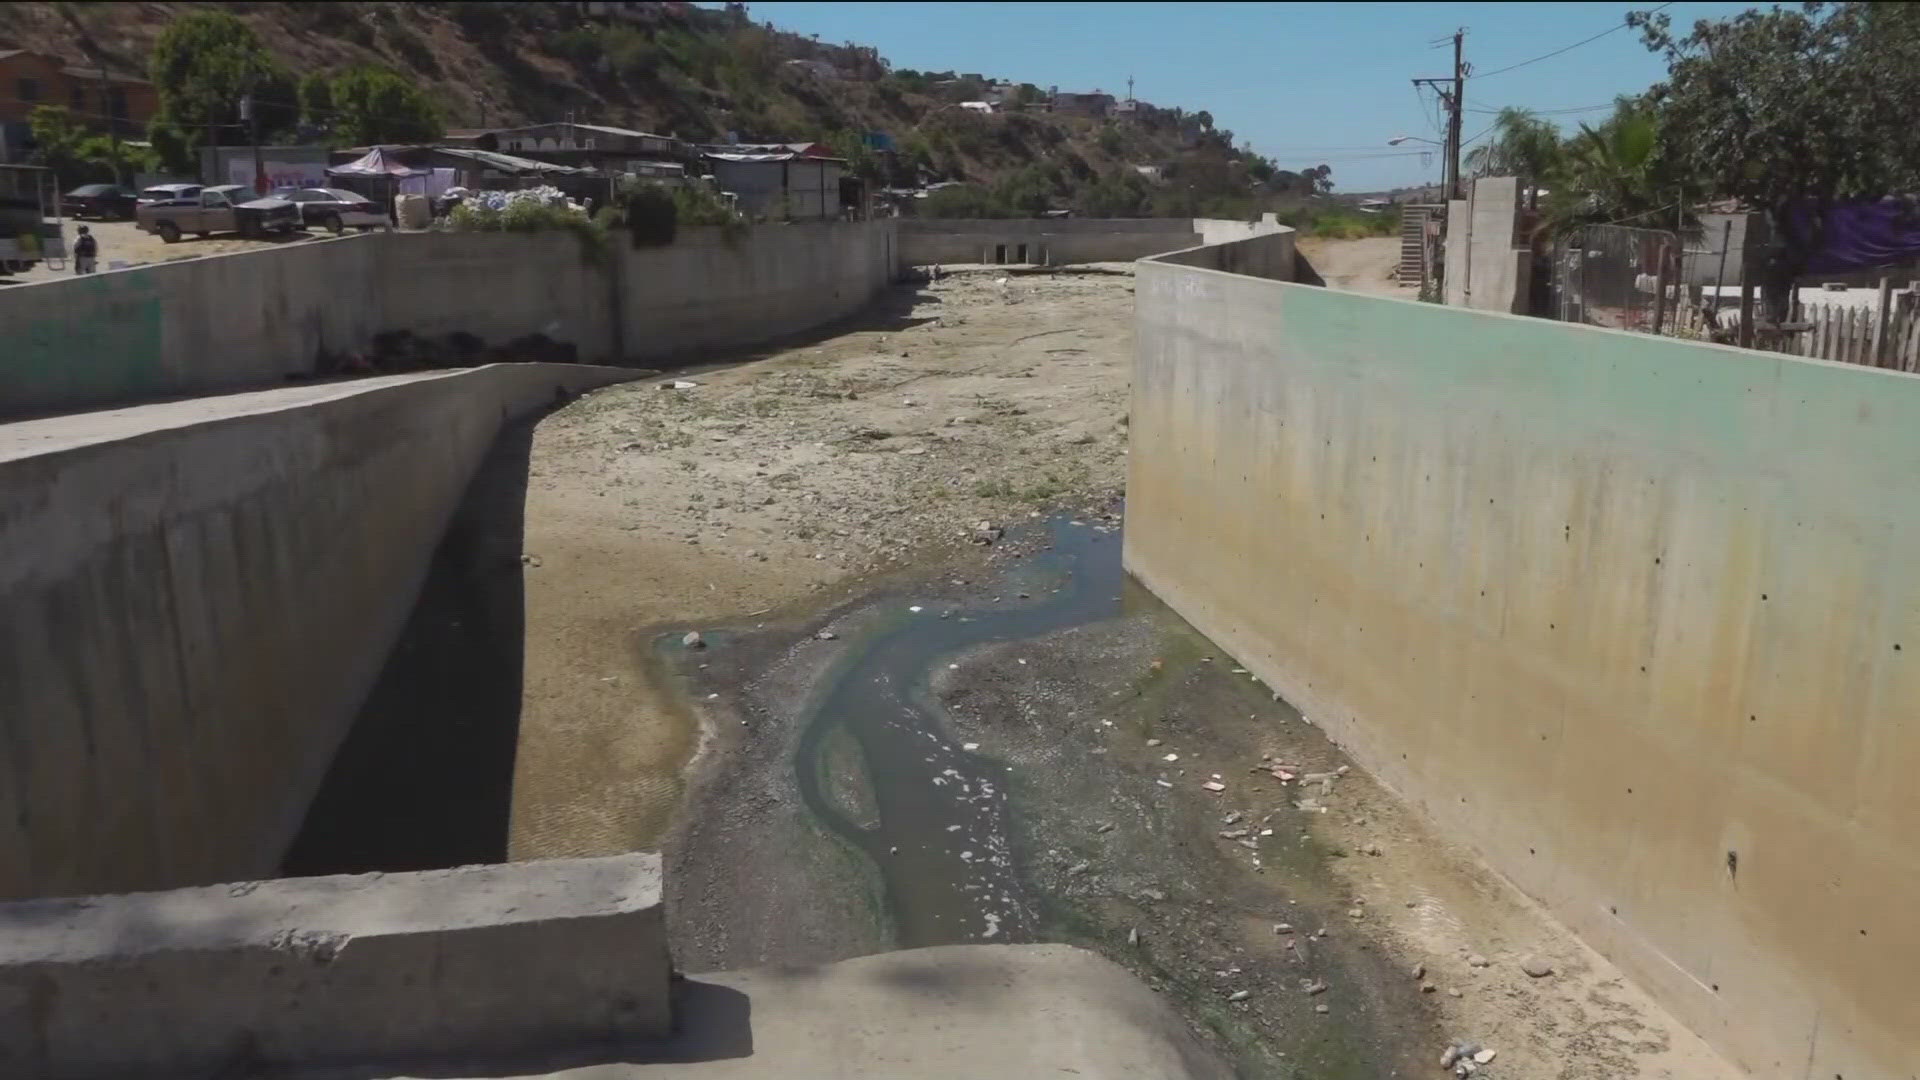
1364	265
122	242
791	506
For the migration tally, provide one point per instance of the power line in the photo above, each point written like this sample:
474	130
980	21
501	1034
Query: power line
1565	111
1568	48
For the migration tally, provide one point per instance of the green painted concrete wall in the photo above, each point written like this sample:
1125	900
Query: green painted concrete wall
1608	607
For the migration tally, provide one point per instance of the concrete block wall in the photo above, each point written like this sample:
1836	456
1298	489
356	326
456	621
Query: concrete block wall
707	290
252	320
303	973
1055	241
198	596
1633	616
187	327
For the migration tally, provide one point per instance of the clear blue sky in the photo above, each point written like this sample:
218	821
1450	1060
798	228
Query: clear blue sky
1304	83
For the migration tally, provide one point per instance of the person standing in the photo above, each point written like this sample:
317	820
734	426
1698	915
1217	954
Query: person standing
86	252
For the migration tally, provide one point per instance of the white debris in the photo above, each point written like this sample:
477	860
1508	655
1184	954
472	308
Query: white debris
915	608
693	640
1214	786
1171	757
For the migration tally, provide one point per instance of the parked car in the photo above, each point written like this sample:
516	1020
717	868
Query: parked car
159	193
334	209
104	201
226	208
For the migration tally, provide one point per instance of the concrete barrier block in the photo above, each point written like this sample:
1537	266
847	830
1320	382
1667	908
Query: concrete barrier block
334	970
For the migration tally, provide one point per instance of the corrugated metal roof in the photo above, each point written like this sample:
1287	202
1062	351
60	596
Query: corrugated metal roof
789	155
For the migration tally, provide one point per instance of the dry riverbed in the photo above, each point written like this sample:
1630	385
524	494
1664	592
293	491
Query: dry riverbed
793	507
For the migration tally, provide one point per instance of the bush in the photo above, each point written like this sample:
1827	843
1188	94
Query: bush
539	209
652	216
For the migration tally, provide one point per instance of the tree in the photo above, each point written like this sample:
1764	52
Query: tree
57	142
77	155
203	64
1204	119
1617	172
1523	145
316	99
374	105
1115	195
1791	111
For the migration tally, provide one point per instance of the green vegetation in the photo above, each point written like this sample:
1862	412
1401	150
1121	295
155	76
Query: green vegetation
1791	107
204	64
77	155
375	105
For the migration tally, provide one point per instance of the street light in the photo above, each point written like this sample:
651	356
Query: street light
1398	139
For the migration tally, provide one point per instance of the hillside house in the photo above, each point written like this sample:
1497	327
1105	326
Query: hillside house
97	98
799	181
610	151
1095	105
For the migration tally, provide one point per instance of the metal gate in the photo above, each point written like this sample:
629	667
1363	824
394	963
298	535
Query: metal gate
1610	275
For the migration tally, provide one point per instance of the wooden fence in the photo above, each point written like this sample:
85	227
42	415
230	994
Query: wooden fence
1855	335
1885	334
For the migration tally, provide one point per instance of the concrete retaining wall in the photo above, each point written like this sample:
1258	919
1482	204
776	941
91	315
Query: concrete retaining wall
706	290
1053	241
198	596
257	977
1636	617
252	320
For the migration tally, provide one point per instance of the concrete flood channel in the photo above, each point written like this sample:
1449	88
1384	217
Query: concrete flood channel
863	744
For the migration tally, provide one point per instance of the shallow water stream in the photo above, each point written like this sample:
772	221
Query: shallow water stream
943	838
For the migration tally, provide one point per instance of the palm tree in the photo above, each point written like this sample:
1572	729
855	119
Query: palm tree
1523	145
1615	174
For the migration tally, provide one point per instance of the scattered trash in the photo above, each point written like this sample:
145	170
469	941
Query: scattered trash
1311	987
1214	786
1282	928
1240	995
914	608
970	747
1486	1055
1356	913
1104	827
1171	757
1163	783
1419	971
826	635
693	640
1079	868
1322	1009
679	384
1232	819
1133	936
1153	742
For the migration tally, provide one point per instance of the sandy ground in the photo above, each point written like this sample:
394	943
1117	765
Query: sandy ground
121	242
1365	265
788	488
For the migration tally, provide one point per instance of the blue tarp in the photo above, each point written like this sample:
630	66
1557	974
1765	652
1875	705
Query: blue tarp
1862	235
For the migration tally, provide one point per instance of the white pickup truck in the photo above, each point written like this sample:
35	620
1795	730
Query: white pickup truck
227	208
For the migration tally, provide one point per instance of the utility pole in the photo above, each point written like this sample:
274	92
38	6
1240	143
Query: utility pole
1453	94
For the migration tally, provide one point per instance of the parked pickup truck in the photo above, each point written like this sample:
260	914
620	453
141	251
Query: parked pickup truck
228	208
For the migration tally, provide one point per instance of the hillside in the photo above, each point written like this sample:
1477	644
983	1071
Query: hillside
701	74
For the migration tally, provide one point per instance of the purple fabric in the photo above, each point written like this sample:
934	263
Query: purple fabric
1862	235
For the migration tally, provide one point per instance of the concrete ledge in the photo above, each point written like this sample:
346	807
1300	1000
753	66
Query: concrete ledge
475	960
